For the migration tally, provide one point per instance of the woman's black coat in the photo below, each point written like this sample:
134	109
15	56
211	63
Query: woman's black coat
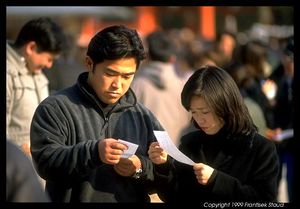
246	169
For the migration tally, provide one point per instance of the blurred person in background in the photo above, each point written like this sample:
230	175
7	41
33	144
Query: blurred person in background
75	132
38	43
223	48
284	96
185	61
284	111
158	87
187	47
278	70
22	184
253	56
240	75
66	69
233	161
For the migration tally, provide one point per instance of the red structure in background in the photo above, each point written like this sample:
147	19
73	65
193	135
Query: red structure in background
207	27
147	22
88	29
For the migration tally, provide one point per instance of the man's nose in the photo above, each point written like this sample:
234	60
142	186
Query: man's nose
49	64
117	83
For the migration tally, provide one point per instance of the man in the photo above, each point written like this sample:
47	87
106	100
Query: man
158	87
38	43
75	132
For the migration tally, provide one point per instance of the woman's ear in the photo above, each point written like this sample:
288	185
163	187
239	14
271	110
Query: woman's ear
89	63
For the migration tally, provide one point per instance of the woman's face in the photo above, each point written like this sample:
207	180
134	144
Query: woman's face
205	117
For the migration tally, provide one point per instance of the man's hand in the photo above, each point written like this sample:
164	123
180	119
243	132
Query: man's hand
110	150
156	154
203	173
128	166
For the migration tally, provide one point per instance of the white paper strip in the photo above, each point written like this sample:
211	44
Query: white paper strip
167	144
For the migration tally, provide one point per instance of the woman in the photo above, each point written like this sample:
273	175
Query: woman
233	162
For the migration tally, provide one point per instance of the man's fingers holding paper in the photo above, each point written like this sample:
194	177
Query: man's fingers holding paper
110	150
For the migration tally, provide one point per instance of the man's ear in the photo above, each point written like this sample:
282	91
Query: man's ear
89	63
30	48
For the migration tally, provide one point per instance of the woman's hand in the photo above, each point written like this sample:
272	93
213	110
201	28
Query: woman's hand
203	173
156	154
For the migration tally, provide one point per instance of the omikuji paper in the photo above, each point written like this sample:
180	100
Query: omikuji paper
167	144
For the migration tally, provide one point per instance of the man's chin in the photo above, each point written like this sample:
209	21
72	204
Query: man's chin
111	101
37	71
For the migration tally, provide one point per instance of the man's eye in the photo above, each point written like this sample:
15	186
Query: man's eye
127	76
109	74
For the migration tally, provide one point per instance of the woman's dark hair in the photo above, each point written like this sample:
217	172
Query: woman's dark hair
47	35
221	93
116	42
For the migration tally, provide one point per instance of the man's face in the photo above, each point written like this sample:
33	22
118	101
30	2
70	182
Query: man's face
111	79
36	61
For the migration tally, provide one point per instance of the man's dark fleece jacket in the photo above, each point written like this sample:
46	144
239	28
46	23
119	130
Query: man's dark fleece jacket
65	132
